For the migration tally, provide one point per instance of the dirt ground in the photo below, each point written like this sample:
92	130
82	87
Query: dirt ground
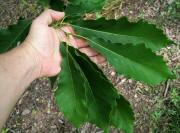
36	111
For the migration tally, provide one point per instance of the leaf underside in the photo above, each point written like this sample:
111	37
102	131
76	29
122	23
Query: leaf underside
85	94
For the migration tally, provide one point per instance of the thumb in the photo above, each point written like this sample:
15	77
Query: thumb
48	16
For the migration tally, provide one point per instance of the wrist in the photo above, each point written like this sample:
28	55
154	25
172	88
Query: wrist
33	59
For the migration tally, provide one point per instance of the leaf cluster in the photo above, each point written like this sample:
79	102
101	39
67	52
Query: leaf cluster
84	93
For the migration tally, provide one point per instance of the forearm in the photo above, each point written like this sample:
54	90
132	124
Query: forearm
18	68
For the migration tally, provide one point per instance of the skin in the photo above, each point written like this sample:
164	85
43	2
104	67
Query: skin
36	57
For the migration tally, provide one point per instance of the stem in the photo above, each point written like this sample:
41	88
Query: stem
76	35
59	24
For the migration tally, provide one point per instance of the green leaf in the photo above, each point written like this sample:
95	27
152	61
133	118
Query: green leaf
80	7
57	5
44	3
136	62
10	37
84	93
122	116
122	31
123	51
71	96
101	95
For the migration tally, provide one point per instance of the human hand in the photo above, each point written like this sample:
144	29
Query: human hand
44	41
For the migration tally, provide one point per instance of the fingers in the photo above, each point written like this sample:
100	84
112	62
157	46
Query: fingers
80	44
99	59
48	16
62	36
75	42
70	39
93	55
88	51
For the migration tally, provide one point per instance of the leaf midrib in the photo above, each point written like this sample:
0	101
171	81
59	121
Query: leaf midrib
116	53
103	32
86	82
71	77
119	55
92	93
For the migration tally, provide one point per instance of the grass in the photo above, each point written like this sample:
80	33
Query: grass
166	117
173	9
5	130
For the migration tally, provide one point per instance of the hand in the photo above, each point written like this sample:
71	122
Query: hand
44	41
80	44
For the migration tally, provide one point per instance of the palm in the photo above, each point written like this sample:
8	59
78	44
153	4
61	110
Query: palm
46	37
45	41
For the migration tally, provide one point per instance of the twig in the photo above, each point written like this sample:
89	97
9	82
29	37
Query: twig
176	58
166	89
